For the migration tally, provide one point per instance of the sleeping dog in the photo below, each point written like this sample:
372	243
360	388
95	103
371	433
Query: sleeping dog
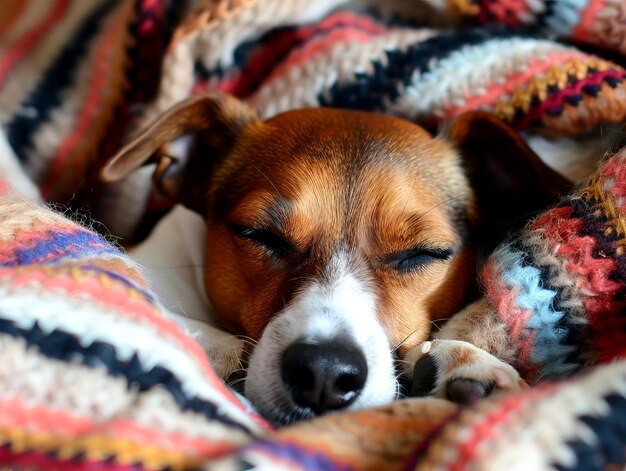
336	239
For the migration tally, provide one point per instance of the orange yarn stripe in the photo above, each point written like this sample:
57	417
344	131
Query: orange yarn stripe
64	425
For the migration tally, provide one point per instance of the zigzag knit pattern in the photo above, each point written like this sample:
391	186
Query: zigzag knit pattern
93	376
559	285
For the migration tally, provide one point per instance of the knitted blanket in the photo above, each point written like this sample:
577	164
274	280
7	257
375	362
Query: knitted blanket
94	377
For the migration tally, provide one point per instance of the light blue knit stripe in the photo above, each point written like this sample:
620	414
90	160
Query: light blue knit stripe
566	16
548	352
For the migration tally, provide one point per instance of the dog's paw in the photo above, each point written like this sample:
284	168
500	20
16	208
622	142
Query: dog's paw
458	371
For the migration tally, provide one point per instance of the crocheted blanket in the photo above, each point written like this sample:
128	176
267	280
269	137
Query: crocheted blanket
93	375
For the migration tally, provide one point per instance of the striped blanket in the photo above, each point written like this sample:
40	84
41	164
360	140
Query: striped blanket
93	376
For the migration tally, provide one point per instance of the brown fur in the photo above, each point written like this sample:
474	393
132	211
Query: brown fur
320	179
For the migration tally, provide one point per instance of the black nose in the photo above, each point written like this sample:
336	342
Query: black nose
324	376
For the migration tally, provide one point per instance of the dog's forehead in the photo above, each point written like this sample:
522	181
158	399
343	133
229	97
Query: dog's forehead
327	159
353	135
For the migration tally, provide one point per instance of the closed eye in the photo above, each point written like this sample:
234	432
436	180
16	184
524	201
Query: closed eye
276	245
408	261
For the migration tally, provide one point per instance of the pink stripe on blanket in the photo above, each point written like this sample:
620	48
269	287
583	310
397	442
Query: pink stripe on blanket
514	80
507	11
318	46
504	299
76	282
30	39
291	47
477	435
594	279
40	419
96	95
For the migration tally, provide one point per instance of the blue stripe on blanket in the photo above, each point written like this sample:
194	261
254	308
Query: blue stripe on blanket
549	351
60	245
49	93
306	460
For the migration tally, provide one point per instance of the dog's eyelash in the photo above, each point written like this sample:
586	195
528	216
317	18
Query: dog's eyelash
410	260
273	243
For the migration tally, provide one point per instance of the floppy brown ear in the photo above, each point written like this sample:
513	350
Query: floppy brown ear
184	180
511	182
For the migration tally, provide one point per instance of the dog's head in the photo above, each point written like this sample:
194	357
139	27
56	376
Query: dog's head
336	238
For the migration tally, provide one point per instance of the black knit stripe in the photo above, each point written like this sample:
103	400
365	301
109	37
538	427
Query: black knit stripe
609	446
371	92
63	346
275	46
49	92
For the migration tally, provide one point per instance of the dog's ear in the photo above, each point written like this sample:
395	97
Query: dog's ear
219	116
511	182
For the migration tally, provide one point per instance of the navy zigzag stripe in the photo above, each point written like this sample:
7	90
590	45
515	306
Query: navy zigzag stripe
48	94
369	92
609	447
594	225
67	347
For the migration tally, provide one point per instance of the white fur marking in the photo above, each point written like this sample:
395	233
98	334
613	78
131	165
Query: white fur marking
341	306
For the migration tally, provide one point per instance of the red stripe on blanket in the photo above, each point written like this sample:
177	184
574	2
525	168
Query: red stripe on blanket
487	427
507	11
30	39
317	47
557	100
587	17
514	80
113	294
42	420
342	26
96	94
504	299
597	289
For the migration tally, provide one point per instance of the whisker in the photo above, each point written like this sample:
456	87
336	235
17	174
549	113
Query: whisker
446	201
235	382
267	178
438	324
247	339
402	341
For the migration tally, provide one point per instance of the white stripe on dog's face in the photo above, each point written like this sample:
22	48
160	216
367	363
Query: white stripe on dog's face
338	306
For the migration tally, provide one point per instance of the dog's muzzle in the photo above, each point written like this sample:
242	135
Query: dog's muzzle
323	376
